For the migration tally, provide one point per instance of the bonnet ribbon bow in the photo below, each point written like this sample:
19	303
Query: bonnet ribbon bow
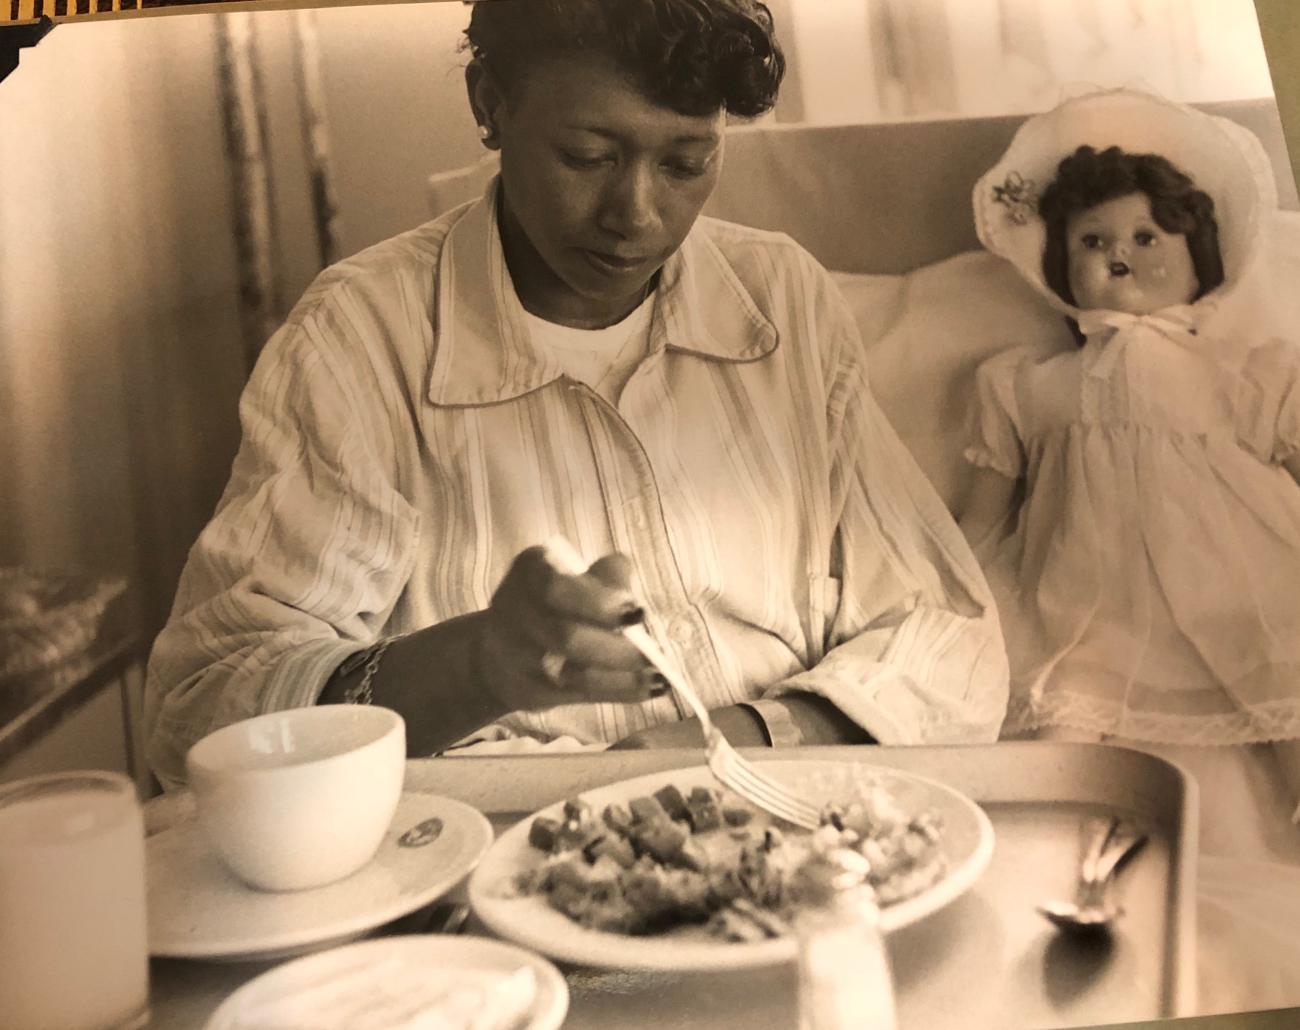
1175	324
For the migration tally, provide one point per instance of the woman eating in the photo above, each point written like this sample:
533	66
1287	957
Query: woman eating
580	353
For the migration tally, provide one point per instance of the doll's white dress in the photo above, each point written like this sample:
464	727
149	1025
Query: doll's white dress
1151	586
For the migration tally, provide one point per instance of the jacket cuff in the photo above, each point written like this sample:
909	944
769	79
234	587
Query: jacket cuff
299	675
777	724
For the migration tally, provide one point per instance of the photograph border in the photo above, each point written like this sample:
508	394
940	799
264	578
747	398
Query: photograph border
23	23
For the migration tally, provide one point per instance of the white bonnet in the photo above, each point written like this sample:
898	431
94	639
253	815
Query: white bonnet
1223	159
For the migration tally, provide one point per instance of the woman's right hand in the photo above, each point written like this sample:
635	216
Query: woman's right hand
550	639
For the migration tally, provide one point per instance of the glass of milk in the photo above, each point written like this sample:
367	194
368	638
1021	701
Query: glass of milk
73	948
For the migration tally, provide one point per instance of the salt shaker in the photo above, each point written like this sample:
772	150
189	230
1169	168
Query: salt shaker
844	975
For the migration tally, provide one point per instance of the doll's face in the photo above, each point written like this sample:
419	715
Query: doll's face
1121	260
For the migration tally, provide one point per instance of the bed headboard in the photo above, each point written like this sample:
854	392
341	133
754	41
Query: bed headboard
882	199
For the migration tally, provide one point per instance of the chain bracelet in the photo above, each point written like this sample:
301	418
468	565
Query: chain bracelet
363	693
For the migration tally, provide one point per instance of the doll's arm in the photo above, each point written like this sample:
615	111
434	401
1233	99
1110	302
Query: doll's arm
1292	465
989	511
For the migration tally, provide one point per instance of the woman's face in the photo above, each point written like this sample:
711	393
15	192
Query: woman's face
1121	260
600	186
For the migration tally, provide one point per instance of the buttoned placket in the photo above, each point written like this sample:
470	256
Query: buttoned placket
491	360
638	528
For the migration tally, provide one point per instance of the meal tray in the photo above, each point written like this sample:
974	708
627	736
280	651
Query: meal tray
988	960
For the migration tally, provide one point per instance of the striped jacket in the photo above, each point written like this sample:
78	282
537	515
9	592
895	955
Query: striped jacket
403	441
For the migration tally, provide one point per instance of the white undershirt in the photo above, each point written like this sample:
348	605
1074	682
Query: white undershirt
604	359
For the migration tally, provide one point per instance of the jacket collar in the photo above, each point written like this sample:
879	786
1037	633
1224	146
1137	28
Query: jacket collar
484	354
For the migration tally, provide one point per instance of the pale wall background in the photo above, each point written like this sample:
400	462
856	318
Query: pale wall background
883	60
120	364
117	301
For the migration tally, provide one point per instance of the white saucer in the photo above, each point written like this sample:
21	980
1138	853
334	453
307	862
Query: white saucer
442	956
199	909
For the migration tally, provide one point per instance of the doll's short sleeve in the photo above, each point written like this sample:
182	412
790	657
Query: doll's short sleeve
995	431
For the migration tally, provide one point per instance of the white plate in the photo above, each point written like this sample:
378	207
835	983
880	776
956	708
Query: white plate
199	909
967	843
441	953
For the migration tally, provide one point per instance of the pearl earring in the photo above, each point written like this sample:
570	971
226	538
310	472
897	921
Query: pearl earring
485	132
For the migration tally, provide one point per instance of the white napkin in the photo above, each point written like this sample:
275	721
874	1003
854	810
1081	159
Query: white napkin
393	994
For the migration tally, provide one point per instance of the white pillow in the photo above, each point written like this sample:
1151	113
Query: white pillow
926	332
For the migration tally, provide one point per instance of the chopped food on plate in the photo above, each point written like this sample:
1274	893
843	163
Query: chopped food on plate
707	858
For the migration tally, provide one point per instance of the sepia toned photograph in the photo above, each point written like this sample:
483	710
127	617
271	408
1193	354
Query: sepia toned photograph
620	513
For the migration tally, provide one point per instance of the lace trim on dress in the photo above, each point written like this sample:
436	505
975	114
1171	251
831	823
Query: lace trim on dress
1267	721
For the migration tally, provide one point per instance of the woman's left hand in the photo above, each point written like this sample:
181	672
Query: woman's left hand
740	726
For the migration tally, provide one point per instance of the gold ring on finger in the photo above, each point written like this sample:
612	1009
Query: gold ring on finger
553	666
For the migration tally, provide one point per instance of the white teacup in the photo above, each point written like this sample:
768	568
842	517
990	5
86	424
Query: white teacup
300	798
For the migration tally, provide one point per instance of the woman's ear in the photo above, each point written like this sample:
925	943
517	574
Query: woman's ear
485	100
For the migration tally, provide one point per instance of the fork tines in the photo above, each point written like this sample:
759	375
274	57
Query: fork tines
733	770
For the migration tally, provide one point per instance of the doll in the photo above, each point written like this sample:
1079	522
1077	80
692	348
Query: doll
1135	502
1149	577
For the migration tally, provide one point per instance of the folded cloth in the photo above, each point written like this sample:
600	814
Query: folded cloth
48	620
509	745
393	994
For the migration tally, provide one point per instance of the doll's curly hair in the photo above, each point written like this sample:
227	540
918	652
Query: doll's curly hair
1089	177
694	57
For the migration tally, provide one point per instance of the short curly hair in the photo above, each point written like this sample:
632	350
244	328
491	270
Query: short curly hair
1089	177
694	57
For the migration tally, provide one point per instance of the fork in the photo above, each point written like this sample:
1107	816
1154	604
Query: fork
724	761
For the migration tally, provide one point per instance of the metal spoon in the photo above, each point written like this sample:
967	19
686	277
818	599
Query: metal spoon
1111	845
447	917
